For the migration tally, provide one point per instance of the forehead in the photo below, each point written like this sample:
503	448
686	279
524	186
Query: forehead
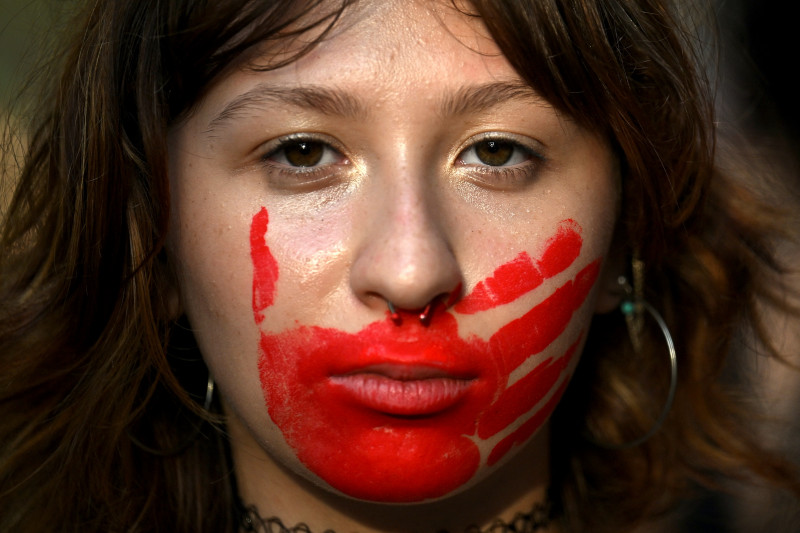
388	48
397	29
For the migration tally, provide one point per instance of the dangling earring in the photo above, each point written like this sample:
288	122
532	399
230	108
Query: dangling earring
633	306
209	392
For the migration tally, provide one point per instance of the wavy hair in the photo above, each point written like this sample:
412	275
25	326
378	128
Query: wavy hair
100	427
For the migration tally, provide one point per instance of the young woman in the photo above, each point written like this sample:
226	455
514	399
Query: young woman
337	263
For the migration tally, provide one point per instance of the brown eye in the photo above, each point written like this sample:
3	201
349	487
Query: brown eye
494	153
304	154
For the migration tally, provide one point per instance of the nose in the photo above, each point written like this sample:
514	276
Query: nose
405	254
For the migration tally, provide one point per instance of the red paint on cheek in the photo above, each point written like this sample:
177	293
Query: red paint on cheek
507	283
265	268
373	455
562	249
523	395
522	275
526	430
540	326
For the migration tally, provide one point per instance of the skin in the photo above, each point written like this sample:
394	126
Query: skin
285	271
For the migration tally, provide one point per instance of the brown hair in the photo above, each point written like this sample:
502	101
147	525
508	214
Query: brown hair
100	429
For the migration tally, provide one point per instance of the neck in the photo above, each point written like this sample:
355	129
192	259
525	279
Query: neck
518	487
537	519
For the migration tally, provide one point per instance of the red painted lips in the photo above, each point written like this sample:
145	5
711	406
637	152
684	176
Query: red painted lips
392	413
401	397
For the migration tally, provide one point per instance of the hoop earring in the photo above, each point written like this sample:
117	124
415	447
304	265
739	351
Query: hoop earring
632	308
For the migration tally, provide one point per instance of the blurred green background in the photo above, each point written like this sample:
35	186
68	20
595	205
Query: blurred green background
25	27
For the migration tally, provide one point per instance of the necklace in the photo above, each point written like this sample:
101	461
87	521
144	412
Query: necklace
536	519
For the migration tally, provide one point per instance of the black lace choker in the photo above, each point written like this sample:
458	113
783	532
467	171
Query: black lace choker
537	519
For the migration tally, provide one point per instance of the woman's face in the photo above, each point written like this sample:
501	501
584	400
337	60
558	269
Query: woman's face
402	160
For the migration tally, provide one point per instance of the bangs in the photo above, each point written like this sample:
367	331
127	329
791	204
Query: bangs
594	59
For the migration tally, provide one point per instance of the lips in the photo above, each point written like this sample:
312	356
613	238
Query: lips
418	372
383	414
401	391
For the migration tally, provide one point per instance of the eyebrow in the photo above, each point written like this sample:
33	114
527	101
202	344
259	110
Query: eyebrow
478	98
336	102
322	100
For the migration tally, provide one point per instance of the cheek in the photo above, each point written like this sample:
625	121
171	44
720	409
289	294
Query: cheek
523	274
215	287
416	438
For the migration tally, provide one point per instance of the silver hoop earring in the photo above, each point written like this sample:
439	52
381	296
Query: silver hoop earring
673	376
632	307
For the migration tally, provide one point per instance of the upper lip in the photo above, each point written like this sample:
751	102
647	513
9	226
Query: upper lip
408	361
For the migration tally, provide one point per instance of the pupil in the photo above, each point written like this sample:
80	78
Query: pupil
494	153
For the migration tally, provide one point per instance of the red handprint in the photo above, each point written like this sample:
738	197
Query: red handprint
393	413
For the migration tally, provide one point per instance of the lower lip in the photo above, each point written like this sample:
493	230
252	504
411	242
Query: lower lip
413	397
